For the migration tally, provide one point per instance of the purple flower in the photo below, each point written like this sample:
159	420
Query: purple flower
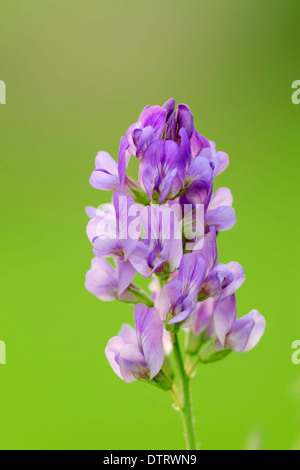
220	212
178	298
138	354
221	280
103	282
111	176
241	334
160	250
149	127
218	159
161	173
109	233
183	119
217	331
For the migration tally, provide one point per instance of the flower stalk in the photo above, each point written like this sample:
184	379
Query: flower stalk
186	408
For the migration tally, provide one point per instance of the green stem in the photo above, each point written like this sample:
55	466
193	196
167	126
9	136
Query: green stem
186	409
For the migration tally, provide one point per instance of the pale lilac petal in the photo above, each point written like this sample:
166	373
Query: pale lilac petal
107	247
105	181
168	296
198	142
205	310
106	163
223	161
192	272
138	259
166	185
91	212
125	275
149	331
238	279
101	280
128	334
176	253
224	317
222	197
222	218
257	330
199	193
180	317
209	250
239	334
132	364
200	170
112	352
211	156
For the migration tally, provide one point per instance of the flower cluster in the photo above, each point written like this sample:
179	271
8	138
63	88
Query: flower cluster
164	227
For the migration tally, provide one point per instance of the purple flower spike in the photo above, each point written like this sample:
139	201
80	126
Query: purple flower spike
241	334
138	354
178	298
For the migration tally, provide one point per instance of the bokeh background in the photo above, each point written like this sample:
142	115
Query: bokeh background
77	75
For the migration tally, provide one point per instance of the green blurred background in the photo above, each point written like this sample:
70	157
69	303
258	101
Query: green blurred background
77	75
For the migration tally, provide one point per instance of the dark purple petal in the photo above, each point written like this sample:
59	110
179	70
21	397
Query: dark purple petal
185	118
122	161
154	116
169	106
145	140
